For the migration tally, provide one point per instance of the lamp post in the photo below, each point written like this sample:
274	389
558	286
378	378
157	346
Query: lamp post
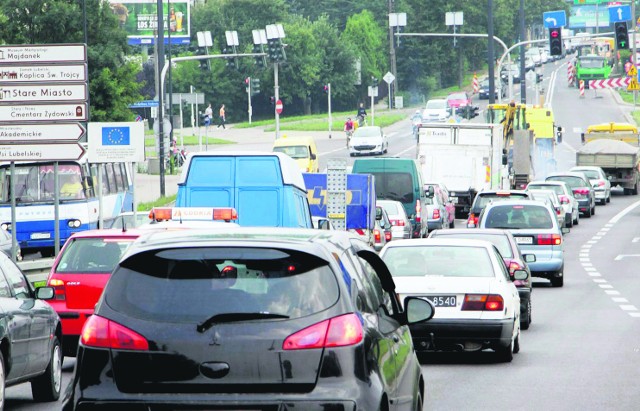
275	34
160	59
396	21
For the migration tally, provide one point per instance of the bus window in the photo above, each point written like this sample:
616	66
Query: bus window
119	177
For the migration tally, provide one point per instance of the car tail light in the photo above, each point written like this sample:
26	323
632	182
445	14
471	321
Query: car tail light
100	332
387	235
564	199
472	222
418	210
513	266
436	214
58	288
558	210
581	192
335	332
600	183
549	239
483	302
376	235
399	223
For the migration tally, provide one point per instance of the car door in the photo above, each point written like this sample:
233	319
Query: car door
15	303
404	367
510	287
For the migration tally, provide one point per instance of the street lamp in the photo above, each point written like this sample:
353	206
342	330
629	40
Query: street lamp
275	34
396	22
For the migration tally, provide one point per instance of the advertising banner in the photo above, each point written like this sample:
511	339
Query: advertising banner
588	16
139	18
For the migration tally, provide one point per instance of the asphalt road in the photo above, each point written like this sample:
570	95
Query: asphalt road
582	350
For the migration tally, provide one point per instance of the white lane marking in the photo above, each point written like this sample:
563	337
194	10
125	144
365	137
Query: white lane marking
612	292
621	256
608	225
599	280
406	151
585	259
619	300
634	314
624	212
589	269
628	307
592	242
594	274
596	237
587	264
635	239
605	285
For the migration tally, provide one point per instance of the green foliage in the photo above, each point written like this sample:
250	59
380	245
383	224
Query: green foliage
162	201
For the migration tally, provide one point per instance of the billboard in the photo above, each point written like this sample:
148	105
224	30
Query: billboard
588	16
139	18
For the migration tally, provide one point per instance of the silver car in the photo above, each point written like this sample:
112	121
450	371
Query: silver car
599	180
553	200
368	140
400	223
568	201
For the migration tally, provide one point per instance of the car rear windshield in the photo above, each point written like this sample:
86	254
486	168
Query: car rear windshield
501	241
394	186
457	96
552	187
518	217
572	182
392	208
193	284
92	255
591	174
439	261
293	151
485	199
436	104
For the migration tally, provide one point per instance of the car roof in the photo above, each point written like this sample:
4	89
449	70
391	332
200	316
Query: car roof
368	128
567	173
579	168
459	242
517	192
108	232
517	202
472	231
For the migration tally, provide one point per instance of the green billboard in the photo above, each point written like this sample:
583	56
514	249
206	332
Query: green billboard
139	18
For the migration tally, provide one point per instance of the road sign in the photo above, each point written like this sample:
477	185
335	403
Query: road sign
116	141
43	112
554	18
37	74
279	106
619	13
454	18
42	93
166	126
372	91
25	133
633	71
43	53
609	83
389	77
41	152
144	104
633	84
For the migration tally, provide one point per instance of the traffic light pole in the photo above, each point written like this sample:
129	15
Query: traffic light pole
249	108
633	45
276	92
329	107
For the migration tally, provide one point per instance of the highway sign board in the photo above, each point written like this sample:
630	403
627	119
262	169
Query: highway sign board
554	18
279	106
115	141
43	112
389	77
40	152
619	13
41	132
42	93
43	53
37	74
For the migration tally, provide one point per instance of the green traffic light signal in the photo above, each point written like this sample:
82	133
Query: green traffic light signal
622	35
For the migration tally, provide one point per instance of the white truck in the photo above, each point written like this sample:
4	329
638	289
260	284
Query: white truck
466	158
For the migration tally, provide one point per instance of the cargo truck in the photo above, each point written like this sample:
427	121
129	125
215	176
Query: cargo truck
466	158
618	159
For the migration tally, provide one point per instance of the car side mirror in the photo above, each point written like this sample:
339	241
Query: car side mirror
44	293
324	225
520	275
418	310
609	178
313	156
529	258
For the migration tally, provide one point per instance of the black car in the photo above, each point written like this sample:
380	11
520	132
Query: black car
30	332
256	318
582	189
485	197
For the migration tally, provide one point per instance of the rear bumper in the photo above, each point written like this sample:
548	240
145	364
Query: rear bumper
435	224
448	332
194	405
584	204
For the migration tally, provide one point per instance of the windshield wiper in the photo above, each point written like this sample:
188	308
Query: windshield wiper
233	317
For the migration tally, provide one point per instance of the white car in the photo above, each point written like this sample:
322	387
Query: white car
565	195
599	180
400	223
368	140
477	303
437	111
554	202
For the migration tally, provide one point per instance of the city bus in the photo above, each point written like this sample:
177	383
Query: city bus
78	199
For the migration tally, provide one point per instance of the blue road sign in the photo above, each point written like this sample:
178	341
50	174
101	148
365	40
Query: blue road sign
619	13
144	104
554	18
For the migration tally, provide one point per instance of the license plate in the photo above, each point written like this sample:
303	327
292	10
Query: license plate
454	200
443	300
524	240
40	236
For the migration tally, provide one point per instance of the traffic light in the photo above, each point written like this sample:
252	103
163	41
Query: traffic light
260	60
255	86
555	41
204	64
374	82
622	35
272	100
325	88
231	61
275	50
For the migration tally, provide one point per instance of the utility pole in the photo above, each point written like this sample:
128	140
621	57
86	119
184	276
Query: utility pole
490	58
634	61
523	83
160	59
392	48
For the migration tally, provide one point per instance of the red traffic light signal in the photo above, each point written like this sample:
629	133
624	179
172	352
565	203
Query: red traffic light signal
555	41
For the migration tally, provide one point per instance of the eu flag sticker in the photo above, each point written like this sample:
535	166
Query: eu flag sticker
115	136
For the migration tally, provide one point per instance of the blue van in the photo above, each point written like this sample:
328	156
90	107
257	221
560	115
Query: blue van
266	189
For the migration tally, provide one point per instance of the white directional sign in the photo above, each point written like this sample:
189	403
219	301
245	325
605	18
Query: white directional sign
35	74
43	53
41	132
43	112
123	142
42	93
389	77
41	152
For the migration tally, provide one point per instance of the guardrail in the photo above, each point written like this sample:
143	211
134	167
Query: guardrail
36	270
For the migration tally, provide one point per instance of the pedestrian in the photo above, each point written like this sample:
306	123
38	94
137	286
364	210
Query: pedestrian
208	113
221	117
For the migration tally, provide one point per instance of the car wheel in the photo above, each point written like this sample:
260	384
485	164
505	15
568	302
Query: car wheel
524	324
557	281
587	214
351	155
505	354
2	379
568	221
419	401
516	344
577	220
46	387
608	200
593	210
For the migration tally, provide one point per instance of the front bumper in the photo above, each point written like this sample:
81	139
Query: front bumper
444	334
